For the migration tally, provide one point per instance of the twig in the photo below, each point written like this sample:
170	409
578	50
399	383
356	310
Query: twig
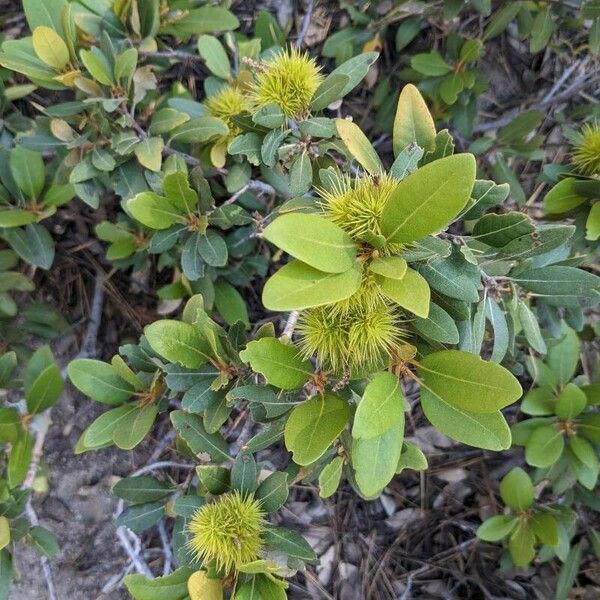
561	80
164	540
305	23
88	346
290	324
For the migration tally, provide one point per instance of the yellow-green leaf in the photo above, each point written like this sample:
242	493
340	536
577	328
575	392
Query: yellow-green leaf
413	123
429	199
314	425
297	286
359	146
200	587
411	292
50	47
314	240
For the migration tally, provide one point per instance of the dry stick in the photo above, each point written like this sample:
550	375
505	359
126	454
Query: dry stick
88	348
290	324
305	24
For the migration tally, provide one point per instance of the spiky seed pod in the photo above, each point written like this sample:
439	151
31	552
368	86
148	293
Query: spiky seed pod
227	531
586	150
226	104
357	337
357	205
290	80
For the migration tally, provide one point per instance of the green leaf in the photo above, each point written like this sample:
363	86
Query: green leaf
411	292
571	402
213	249
560	286
270	116
592	225
149	152
289	542
97	65
171	587
125	64
531	328
481	430
189	427
280	364
198	130
500	20
430	63
44	541
516	490
355	69
99	381
178	342
568	573
10	424
6	574
438	326
359	146
330	476
428	199
215	56
314	425
541	31
297	285
140	517
331	89
50	47
166	119
99	432
141	489
16	217
45	389
244	473
19	459
412	457
27	169
381	407
413	123
563	357
34	244
585	452
498	230
314	240
134	426
230	304
496	528
392	267
562	197
260	587
273	492
545	528
544	447
154	211
301	175
467	382
521	545
205	19
49	13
